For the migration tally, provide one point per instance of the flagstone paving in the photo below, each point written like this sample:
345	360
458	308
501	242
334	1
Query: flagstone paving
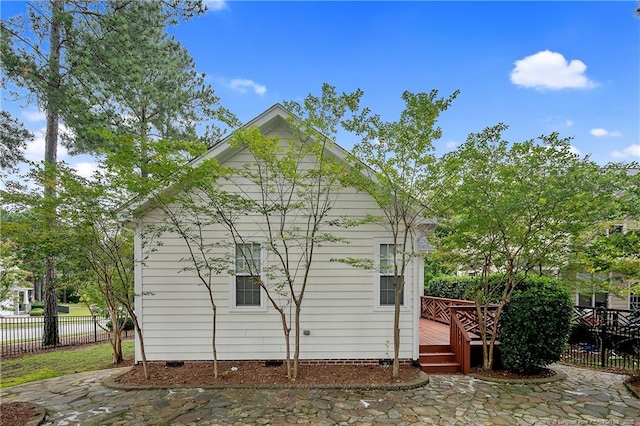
585	397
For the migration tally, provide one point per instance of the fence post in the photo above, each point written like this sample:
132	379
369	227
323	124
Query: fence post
95	330
602	313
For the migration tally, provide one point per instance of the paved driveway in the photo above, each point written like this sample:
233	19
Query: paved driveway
586	397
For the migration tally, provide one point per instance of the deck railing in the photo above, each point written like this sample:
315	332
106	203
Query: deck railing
437	308
459	339
462	318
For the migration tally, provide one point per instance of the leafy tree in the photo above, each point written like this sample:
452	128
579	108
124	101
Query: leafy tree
46	53
155	94
294	184
515	208
400	155
13	140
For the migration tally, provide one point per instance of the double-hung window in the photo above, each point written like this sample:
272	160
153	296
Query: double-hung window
248	264
386	290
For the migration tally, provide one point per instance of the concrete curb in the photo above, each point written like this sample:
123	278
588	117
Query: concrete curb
422	380
632	390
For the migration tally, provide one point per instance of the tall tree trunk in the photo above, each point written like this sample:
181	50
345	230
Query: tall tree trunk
50	335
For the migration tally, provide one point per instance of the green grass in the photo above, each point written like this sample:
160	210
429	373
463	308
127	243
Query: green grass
76	310
30	368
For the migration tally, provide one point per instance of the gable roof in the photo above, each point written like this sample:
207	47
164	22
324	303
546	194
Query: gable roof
274	116
268	120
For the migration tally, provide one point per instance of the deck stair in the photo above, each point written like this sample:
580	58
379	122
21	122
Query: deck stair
438	359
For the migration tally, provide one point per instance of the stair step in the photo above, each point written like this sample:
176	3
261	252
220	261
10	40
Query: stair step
435	357
434	348
441	367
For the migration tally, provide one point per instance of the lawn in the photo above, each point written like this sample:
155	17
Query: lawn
76	310
30	368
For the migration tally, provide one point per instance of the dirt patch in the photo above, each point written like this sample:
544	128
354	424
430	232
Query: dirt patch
247	373
19	413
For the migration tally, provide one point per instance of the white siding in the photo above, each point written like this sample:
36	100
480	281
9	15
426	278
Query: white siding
338	309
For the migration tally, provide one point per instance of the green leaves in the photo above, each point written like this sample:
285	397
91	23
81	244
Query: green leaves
521	205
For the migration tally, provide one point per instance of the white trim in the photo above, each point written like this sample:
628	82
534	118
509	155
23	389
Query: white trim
405	307
263	277
137	274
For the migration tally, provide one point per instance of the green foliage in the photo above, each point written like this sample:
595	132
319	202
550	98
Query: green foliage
396	166
37	305
516	207
13	140
37	312
128	325
617	251
450	287
535	325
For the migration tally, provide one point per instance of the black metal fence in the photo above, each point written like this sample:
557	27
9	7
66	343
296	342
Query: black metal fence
20	335
602	337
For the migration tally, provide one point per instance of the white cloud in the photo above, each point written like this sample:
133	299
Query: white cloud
215	5
451	144
600	132
85	169
550	70
574	150
243	85
632	151
568	123
35	149
34	115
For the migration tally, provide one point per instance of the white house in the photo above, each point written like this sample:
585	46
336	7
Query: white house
347	313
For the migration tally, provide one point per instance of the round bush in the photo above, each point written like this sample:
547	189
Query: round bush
535	325
36	304
37	312
128	326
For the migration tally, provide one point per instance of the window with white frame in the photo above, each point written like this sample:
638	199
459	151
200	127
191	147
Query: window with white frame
386	290
596	299
634	301
248	260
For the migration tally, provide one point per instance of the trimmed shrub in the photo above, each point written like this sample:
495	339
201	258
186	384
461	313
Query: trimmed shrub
128	326
36	304
450	287
535	325
37	312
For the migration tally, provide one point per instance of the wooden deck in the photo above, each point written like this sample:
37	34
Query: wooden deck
433	333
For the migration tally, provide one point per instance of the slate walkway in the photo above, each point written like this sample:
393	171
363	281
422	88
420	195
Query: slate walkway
586	397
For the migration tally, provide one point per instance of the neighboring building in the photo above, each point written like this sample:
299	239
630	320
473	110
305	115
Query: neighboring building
601	298
17	302
347	313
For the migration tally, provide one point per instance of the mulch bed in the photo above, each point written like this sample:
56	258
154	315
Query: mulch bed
248	373
18	413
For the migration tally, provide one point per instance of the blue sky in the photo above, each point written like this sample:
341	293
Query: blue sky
539	67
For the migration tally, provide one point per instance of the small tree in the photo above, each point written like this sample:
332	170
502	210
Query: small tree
517	207
288	187
403	181
102	246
